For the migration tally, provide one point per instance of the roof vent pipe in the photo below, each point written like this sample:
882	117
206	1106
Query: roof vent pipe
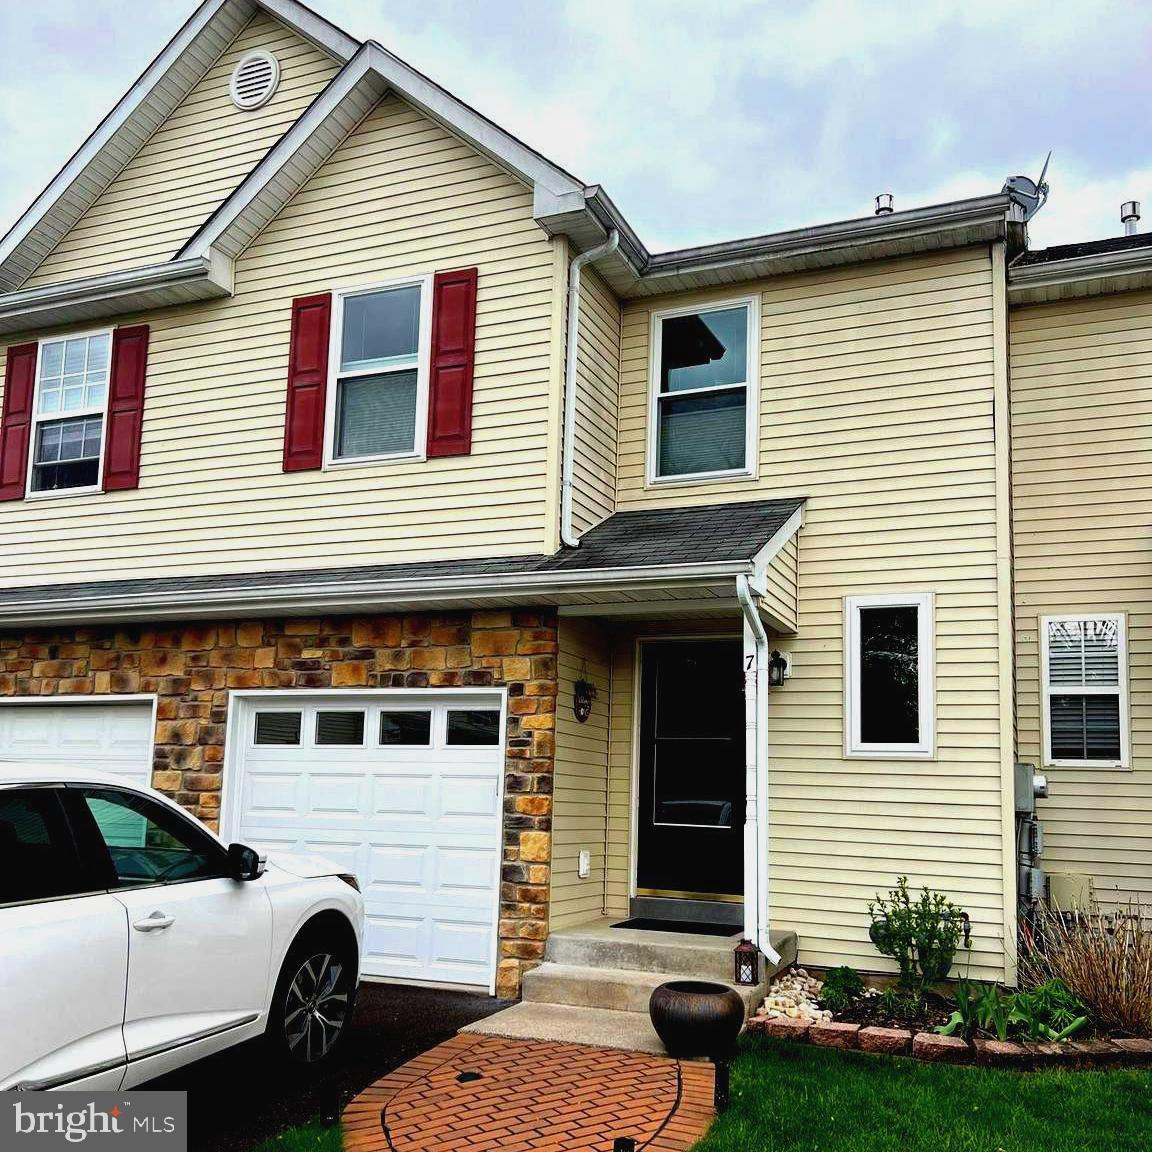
1130	217
885	204
568	457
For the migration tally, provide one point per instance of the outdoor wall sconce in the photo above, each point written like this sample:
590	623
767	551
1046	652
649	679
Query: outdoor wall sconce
777	669
583	693
747	957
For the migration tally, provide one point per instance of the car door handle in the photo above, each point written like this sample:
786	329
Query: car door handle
154	923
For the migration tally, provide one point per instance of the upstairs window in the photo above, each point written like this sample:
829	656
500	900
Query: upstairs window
1084	669
68	413
889	701
703	410
379	402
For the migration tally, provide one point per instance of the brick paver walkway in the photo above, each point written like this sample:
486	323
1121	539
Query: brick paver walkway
531	1096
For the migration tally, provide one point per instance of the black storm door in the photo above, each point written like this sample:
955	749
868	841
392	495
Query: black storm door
690	827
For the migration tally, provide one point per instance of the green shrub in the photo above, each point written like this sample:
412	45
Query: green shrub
842	988
921	935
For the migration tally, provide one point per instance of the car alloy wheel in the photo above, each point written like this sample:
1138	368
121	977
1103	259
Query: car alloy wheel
316	1007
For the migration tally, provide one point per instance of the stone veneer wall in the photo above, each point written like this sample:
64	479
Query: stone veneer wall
192	666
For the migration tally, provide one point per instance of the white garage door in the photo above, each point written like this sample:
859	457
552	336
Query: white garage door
114	738
402	789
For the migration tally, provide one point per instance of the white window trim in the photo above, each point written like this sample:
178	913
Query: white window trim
752	395
1121	620
37	419
423	373
925	747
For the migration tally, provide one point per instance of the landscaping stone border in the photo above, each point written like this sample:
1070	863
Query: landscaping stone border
934	1048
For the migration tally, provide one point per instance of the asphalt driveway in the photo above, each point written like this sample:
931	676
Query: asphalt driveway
239	1098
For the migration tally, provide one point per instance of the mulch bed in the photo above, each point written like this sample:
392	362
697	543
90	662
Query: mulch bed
869	1013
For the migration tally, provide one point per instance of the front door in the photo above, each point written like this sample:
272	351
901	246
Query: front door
690	826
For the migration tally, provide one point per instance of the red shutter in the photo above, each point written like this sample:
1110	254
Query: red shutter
125	408
16	425
453	351
307	383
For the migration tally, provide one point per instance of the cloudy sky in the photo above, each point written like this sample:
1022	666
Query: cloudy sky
704	119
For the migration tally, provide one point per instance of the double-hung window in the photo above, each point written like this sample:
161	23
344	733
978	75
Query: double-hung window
889	699
703	405
1084	672
68	415
378	399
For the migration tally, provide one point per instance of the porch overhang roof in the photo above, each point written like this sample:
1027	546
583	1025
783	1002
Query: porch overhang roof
687	558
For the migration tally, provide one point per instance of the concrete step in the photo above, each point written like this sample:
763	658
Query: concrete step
599	945
616	989
600	1027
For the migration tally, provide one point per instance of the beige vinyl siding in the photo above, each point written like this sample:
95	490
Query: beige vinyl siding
598	401
876	402
400	197
781	586
1082	506
580	796
192	163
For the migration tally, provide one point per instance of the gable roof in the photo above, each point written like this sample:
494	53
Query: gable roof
151	99
563	204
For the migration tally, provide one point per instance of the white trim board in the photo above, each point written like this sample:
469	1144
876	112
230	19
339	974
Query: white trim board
925	747
1120	690
751	386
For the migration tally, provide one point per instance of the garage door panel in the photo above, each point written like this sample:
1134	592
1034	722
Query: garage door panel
419	826
465	796
465	870
334	795
272	795
113	738
462	947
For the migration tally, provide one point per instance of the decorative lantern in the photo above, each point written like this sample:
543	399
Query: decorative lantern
747	957
583	693
777	669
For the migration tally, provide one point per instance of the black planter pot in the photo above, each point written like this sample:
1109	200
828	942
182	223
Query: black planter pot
696	1018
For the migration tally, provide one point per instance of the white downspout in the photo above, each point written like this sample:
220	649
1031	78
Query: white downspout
756	659
568	464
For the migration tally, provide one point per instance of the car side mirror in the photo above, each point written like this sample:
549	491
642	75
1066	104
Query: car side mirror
244	863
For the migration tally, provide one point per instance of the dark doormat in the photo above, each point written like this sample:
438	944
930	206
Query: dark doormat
693	927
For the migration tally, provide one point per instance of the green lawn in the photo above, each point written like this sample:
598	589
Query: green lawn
795	1098
310	1138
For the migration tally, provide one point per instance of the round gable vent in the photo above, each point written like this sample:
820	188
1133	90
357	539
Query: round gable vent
254	80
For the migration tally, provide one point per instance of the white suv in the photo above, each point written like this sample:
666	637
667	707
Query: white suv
133	941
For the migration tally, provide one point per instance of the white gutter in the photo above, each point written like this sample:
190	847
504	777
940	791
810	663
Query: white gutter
756	659
344	594
204	277
572	345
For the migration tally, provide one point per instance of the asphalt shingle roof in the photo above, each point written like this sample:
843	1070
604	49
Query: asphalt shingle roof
700	534
1089	248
